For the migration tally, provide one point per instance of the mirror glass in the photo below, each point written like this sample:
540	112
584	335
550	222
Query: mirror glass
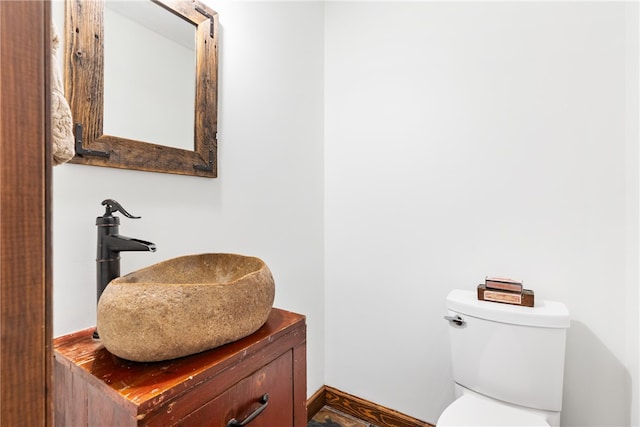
141	78
149	74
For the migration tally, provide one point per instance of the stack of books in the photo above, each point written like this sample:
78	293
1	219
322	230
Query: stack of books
507	291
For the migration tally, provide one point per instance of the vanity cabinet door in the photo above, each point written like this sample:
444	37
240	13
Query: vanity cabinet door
244	399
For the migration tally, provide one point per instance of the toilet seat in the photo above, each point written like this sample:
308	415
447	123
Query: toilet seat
470	410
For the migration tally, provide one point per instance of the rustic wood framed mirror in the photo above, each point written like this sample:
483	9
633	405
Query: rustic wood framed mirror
85	90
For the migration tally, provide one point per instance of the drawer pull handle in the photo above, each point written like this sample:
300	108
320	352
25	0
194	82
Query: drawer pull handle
264	401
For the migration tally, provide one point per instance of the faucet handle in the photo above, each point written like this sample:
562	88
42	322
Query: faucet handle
112	206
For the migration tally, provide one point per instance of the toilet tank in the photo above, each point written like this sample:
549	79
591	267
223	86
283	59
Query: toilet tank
508	352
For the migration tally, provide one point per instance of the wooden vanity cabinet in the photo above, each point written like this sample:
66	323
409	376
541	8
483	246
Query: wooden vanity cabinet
262	375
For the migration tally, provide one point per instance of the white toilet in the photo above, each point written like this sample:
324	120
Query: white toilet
507	360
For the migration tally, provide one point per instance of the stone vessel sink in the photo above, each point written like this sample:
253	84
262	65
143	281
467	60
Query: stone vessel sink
184	305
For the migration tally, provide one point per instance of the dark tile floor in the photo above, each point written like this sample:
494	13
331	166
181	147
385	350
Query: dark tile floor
328	417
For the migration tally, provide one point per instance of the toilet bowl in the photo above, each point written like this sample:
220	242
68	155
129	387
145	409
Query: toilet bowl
472	409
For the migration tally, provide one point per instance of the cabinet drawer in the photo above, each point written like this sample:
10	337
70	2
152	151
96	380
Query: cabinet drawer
244	399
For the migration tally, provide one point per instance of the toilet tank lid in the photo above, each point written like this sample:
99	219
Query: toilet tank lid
544	314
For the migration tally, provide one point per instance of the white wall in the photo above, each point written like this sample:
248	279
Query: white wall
268	198
466	139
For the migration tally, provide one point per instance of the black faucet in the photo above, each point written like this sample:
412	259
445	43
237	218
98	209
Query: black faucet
110	244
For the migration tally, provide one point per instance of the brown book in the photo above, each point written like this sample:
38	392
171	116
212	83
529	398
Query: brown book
503	284
524	298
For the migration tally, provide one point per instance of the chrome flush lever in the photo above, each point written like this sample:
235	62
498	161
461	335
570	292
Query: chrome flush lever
456	319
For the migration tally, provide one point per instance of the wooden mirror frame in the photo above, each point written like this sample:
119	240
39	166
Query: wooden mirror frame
84	89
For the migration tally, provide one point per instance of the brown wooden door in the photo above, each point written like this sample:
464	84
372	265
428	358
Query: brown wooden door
25	254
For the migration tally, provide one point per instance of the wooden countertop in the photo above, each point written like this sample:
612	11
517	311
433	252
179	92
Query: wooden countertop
145	385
